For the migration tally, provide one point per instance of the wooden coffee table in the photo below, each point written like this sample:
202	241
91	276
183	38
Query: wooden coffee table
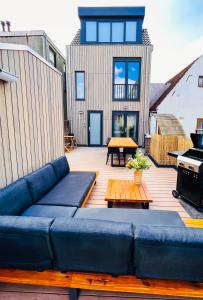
126	191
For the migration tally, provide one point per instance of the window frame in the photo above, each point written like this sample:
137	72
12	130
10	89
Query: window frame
126	60
200	78
76	96
54	54
111	21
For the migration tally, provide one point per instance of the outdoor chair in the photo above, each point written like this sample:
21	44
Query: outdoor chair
129	151
112	151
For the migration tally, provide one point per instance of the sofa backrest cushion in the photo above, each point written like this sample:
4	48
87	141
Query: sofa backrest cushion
61	167
168	252
91	245
25	243
15	198
41	181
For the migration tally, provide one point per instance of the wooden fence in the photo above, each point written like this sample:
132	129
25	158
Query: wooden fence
162	144
31	113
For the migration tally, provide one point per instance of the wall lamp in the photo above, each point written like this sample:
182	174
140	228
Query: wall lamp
7	76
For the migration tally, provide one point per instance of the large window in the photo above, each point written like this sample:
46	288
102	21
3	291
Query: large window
80	85
91	31
126	79
111	31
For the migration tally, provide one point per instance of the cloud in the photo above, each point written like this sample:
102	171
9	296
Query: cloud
118	70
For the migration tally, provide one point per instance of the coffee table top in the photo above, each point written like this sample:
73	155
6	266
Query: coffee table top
127	191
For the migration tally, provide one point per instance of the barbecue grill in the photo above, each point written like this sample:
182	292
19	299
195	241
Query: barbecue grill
189	185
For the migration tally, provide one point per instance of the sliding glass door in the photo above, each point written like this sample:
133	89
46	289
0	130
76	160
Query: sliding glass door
125	124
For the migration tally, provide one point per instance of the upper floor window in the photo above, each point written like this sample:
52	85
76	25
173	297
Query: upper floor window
80	85
126	79
52	56
200	81
111	31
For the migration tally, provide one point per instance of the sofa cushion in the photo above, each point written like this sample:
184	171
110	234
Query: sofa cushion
91	245
49	211
70	191
168	252
61	167
15	198
25	243
41	181
134	216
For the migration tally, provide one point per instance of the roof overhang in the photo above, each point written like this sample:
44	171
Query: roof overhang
7	76
127	11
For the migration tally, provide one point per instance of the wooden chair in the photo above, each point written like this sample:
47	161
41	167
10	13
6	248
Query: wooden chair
67	144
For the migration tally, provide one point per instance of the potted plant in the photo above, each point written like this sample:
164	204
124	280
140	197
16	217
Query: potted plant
138	163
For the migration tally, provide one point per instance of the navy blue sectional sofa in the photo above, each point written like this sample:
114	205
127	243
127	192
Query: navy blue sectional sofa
43	227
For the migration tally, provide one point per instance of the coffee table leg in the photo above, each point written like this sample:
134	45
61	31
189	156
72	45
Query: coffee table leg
110	204
145	205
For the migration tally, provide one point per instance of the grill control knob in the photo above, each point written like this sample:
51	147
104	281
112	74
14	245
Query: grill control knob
191	168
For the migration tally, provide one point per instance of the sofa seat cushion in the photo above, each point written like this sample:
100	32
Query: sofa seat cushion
25	243
91	245
15	198
70	191
49	211
61	167
168	252
134	216
41	181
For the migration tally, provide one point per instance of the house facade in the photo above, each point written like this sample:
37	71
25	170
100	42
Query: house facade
41	43
108	75
181	96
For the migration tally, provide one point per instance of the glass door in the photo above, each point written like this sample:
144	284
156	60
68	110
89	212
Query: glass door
125	124
95	129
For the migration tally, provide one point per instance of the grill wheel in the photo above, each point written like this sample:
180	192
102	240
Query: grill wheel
175	194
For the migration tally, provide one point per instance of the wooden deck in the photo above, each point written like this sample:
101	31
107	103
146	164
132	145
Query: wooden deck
159	181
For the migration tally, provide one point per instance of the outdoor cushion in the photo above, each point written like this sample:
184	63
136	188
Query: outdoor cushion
168	252
49	211
41	181
25	243
15	198
70	191
61	167
91	245
134	216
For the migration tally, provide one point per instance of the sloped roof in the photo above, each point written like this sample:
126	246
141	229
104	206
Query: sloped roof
169	125
171	84
145	38
156	90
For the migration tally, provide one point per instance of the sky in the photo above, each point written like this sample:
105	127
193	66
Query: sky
175	26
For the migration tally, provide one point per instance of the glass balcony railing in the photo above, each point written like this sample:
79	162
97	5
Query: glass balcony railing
126	91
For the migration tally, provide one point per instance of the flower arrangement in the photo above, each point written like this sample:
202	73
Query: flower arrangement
139	162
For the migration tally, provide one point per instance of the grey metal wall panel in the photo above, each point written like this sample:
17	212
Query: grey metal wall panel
31	115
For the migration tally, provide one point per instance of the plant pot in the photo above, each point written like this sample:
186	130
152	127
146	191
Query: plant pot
138	176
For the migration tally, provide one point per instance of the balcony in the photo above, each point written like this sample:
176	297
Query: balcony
127	92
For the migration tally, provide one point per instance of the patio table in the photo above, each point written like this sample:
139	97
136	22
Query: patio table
121	142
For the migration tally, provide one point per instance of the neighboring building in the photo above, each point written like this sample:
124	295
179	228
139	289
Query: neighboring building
108	75
181	96
39	41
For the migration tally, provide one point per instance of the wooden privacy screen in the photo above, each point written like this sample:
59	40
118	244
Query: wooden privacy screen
31	113
162	144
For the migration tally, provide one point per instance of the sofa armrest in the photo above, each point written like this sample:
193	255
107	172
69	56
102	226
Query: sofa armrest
168	252
25	242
